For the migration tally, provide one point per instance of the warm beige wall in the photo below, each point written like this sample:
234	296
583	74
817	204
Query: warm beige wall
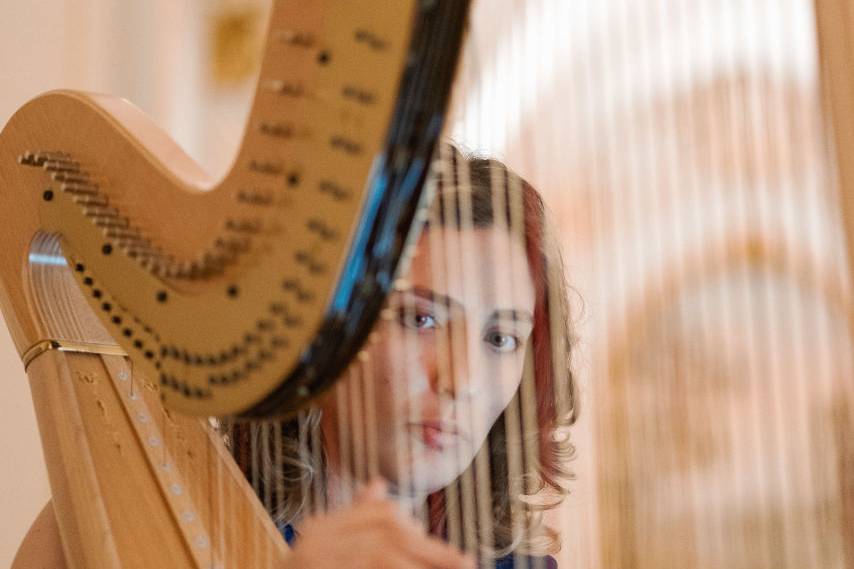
49	44
27	67
152	52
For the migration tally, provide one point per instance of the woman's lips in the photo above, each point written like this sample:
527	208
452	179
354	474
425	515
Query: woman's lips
436	435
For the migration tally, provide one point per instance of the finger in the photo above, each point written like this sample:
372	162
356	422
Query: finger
397	561
437	554
366	517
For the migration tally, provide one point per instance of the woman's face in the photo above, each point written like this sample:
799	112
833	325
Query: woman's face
446	358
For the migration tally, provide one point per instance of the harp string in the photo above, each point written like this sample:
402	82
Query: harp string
371	429
662	193
221	535
706	314
476	483
512	415
410	452
832	363
805	117
755	434
343	484
771	163
439	269
320	479
307	477
268	481
529	427
359	427
518	443
724	152
682	166
255	480
465	377
458	224
805	482
505	201
477	479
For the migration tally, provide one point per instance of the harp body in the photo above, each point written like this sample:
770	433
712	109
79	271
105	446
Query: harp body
135	214
307	122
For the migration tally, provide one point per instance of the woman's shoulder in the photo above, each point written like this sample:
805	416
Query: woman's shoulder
42	547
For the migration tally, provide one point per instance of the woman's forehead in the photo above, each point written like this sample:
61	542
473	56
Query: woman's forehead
479	267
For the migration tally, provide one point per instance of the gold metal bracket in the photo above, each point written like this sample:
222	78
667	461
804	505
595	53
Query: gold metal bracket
43	346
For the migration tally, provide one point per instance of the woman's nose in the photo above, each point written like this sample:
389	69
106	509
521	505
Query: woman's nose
449	367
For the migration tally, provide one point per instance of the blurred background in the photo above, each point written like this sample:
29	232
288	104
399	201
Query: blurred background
681	148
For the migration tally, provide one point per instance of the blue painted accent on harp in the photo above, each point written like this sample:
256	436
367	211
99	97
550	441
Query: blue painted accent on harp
407	189
354	268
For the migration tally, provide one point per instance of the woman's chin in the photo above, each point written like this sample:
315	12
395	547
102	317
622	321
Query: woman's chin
421	487
434	471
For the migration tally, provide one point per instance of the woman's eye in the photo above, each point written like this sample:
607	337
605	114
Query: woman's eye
418	320
502	342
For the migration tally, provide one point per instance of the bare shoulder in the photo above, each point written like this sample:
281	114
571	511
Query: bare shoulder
42	547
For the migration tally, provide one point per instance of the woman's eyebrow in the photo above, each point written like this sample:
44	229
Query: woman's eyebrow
434	297
513	315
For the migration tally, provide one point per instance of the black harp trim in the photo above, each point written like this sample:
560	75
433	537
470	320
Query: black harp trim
393	199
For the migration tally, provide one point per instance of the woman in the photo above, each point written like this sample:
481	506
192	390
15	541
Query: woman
456	401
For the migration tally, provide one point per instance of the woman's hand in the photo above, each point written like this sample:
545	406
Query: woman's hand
372	534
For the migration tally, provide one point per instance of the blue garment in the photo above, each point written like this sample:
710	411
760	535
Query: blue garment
507	562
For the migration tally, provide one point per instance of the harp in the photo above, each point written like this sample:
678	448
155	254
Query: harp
699	173
374	134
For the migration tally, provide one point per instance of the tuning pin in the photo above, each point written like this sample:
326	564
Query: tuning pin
100	211
91	199
110	221
267	167
255	197
370	39
131	242
166	270
233	244
358	95
53	155
149	263
139	251
215	262
243	225
61	166
284	88
123	233
295	38
77	188
73	178
29	158
276	129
